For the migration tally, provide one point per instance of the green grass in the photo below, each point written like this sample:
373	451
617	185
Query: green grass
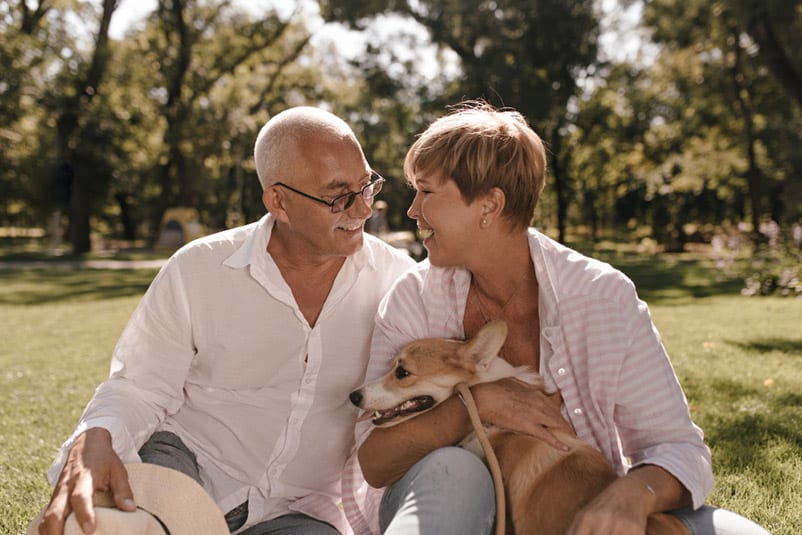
739	360
58	330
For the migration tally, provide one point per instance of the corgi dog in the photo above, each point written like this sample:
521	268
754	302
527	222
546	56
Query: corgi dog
544	487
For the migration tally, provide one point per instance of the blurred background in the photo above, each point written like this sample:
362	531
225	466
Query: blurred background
132	122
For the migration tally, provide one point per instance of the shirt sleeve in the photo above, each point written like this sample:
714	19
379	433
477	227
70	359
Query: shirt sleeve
394	327
148	368
399	319
652	413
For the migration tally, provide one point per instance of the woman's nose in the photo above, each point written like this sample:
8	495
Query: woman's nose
413	210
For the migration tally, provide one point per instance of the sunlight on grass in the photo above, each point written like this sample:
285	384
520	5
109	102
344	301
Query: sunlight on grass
740	362
52	357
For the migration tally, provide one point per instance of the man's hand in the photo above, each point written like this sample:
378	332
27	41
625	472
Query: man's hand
518	406
92	465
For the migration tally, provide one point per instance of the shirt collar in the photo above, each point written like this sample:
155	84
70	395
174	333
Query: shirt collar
541	248
254	244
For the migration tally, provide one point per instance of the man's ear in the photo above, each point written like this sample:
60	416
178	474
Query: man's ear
273	201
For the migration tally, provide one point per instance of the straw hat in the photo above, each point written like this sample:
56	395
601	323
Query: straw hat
167	502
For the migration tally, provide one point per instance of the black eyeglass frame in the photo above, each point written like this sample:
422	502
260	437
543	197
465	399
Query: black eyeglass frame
376	182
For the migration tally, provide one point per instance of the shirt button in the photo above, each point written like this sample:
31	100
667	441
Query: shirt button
561	371
577	411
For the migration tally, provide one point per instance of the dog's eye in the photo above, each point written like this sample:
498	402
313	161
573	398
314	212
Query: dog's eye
400	372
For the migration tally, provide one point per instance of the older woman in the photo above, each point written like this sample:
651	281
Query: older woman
477	175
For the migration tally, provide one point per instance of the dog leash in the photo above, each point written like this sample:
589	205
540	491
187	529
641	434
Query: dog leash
466	397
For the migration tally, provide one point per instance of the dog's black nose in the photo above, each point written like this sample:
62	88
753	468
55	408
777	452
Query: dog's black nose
356	397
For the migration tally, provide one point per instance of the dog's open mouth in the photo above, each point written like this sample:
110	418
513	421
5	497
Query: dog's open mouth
410	406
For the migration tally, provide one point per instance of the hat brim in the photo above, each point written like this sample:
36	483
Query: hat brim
176	499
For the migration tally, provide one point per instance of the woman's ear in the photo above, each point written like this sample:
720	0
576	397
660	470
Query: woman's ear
274	203
493	204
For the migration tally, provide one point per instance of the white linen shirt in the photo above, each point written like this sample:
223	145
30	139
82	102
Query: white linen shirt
219	353
598	346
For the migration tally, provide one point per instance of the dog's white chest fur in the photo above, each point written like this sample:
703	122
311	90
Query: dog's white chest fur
472	444
497	369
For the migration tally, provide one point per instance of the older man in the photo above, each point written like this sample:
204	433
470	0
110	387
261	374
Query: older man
236	366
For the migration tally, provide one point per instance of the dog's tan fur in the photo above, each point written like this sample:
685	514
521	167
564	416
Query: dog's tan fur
545	487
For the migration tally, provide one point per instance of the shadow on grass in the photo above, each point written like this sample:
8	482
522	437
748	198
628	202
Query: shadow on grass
740	437
741	441
766	345
39	286
675	277
660	279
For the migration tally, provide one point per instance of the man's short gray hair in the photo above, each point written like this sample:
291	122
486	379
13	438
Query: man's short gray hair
277	146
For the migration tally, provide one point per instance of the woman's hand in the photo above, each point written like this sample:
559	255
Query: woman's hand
523	408
623	508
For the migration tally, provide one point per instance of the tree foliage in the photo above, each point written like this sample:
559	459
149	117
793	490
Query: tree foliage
106	132
519	53
726	56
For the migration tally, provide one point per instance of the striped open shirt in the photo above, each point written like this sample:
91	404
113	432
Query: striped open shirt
598	346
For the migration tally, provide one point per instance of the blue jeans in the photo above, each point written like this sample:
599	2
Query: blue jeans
292	524
451	491
709	520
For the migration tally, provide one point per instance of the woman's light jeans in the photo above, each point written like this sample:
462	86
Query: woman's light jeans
450	491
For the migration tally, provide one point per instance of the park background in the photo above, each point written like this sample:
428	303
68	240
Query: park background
673	130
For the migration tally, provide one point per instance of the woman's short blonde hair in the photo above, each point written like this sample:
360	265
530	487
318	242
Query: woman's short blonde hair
481	147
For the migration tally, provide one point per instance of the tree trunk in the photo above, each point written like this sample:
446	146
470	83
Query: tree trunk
560	188
743	97
78	202
171	172
129	227
761	30
67	124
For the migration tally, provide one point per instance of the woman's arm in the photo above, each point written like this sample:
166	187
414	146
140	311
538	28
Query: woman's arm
389	452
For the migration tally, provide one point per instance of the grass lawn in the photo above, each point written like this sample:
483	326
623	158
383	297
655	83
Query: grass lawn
58	329
739	359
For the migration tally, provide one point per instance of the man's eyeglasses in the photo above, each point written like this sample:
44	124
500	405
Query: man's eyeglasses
344	201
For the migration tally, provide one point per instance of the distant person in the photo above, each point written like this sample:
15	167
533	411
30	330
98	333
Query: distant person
478	173
236	366
377	223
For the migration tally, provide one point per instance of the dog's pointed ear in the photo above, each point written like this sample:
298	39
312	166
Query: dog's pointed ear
485	346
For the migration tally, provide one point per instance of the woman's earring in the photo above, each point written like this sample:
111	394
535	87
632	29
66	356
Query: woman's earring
484	222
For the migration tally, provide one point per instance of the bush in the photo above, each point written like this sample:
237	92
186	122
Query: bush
774	279
772	268
776	270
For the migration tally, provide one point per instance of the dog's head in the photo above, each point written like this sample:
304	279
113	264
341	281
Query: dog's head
425	373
